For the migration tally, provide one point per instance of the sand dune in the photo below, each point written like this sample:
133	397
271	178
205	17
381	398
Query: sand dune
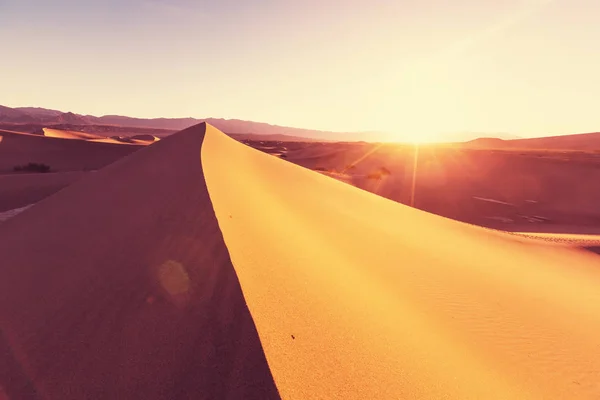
60	154
145	138
19	190
111	140
64	134
142	140
6	215
385	301
57	133
126	290
179	272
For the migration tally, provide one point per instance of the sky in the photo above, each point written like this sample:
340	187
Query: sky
412	68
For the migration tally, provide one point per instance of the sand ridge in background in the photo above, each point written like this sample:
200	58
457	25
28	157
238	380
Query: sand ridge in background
60	154
307	288
138	139
68	154
57	133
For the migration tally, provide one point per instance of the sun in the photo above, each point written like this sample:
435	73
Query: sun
405	136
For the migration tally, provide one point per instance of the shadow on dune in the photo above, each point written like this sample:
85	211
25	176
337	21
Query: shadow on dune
592	249
14	383
125	288
61	154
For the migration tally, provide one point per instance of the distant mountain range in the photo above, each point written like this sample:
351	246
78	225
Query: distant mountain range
32	119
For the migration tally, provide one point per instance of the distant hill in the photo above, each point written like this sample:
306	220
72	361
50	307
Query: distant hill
70	118
579	142
32	115
457	137
175	124
40	112
272	138
582	141
11	115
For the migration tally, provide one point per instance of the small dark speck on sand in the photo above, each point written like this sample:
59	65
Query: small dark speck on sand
230	216
293	337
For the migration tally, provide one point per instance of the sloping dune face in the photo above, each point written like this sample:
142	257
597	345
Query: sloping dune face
357	297
201	268
120	287
20	190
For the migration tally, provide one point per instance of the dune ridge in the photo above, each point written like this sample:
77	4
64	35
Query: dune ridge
201	268
90	137
385	301
62	134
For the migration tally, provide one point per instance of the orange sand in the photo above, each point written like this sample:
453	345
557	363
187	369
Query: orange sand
388	302
57	133
201	268
63	134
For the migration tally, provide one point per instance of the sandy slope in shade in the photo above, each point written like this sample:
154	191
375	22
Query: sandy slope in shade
6	215
109	140
130	141
357	297
120	287
19	190
60	154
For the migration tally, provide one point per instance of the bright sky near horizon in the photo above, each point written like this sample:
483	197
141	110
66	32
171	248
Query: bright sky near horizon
426	67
